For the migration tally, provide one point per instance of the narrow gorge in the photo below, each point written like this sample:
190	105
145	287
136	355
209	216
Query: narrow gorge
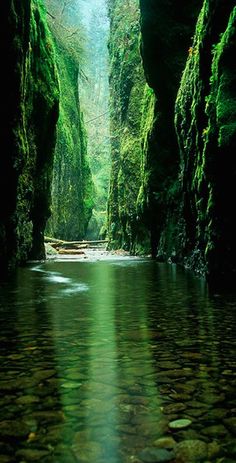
171	192
117	231
172	122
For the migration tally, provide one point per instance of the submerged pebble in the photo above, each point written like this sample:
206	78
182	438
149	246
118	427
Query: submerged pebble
179	424
217	430
13	429
165	443
94	384
31	454
27	400
231	424
191	451
155	455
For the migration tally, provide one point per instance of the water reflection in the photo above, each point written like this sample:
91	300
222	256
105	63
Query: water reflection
97	359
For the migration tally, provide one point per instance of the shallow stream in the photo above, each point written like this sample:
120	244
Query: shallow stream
99	358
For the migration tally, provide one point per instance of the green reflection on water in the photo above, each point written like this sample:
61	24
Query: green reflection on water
98	358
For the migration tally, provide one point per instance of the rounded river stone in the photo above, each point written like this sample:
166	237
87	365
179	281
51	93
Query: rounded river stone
179	424
191	451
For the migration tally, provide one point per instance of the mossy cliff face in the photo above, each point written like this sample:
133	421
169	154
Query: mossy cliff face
28	115
72	188
127	84
166	36
206	127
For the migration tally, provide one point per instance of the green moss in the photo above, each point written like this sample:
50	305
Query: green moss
28	129
127	94
147	125
223	84
72	189
44	103
205	120
144	184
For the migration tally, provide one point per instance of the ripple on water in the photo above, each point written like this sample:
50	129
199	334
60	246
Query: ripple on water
57	278
75	288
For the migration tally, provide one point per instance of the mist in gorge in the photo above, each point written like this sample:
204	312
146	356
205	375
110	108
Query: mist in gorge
79	207
95	96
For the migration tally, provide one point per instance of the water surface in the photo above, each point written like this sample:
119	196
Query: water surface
98	358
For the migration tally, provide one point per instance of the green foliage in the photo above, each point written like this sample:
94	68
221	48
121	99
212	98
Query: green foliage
147	125
145	188
94	96
31	119
223	83
127	95
72	189
67	30
45	94
205	120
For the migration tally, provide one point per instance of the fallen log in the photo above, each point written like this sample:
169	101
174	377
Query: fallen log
58	244
84	242
54	241
68	246
50	240
73	252
73	245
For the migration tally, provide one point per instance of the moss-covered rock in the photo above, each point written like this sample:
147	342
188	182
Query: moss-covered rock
72	188
28	115
166	34
145	191
205	121
127	83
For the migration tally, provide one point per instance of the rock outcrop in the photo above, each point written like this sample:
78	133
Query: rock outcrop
166	36
127	83
29	113
145	191
178	181
72	186
206	127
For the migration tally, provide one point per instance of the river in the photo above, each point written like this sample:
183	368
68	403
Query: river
99	358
